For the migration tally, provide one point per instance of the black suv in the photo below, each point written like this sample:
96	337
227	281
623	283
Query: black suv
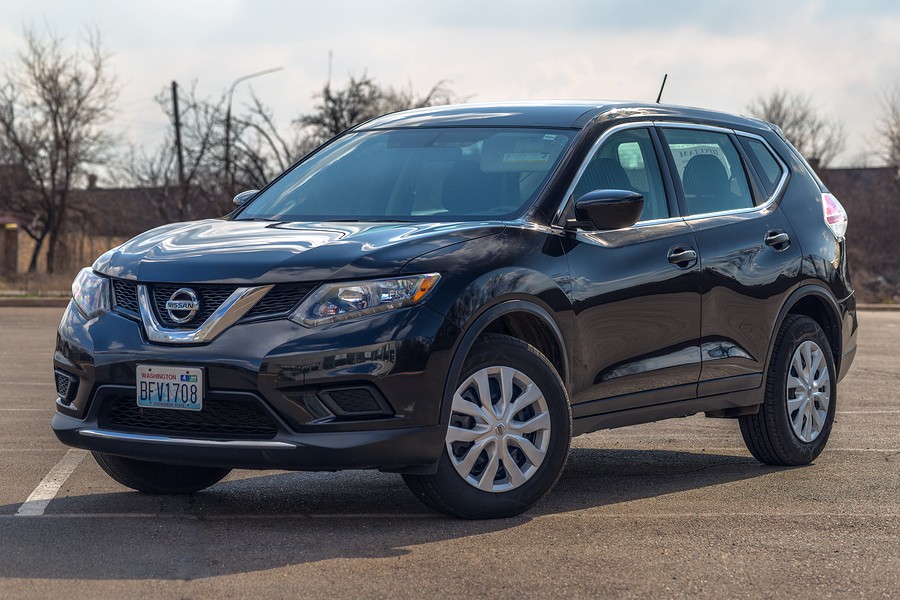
452	293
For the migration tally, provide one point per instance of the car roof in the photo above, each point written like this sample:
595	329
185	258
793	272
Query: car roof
563	114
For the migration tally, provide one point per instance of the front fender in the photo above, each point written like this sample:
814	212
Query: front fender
521	270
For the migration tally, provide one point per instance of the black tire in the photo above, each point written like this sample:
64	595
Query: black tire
769	434
158	478
448	492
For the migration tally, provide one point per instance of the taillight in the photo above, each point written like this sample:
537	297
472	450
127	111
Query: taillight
835	215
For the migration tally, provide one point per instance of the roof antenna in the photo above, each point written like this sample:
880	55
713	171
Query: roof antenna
662	87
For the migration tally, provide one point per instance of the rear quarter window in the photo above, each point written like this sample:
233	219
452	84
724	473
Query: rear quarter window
766	165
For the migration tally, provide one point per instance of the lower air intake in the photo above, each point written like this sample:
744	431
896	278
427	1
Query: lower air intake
221	417
355	402
66	386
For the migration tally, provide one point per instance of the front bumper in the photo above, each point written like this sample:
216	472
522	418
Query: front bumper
406	449
278	371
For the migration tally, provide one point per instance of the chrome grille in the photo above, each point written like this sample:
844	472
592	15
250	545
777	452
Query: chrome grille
210	296
279	302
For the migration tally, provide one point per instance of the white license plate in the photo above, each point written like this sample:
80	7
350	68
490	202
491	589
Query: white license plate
179	388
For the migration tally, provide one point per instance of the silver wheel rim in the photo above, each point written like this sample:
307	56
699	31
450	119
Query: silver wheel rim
499	429
808	391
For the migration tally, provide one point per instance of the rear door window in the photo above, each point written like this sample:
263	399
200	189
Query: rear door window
710	169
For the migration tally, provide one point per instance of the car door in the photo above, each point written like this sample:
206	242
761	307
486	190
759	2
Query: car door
749	258
635	291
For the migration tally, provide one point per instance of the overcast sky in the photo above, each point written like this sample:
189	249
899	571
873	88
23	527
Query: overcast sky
718	54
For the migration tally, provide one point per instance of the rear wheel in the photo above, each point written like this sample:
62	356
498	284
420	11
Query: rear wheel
508	436
158	478
794	422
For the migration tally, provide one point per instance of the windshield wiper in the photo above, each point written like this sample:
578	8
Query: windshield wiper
367	221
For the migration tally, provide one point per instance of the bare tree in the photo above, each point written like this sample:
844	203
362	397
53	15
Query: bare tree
54	107
820	138
362	99
201	134
889	126
395	99
259	149
258	153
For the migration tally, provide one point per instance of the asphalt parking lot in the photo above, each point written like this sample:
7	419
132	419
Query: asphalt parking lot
671	509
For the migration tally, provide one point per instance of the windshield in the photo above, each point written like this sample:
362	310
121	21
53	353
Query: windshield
444	174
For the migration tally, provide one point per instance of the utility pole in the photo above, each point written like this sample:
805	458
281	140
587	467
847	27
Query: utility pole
328	80
179	152
229	180
178	149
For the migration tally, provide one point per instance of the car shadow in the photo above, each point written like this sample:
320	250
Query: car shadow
271	521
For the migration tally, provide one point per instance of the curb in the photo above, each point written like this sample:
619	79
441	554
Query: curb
40	302
878	307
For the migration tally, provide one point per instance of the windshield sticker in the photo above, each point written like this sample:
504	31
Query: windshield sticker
529	157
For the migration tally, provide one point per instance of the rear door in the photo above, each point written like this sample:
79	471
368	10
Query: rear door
728	187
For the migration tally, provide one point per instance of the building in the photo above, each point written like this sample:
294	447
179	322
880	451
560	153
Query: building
97	219
871	197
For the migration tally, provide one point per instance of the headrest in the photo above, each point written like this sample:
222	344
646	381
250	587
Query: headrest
705	175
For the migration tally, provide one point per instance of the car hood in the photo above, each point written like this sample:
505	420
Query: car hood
218	250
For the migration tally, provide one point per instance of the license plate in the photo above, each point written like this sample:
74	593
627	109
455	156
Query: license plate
178	388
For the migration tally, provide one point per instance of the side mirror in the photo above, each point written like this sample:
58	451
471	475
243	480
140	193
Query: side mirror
608	209
244	197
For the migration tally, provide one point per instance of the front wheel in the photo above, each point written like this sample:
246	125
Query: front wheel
158	478
794	422
508	436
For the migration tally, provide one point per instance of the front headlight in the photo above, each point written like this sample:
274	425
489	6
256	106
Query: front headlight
333	302
90	293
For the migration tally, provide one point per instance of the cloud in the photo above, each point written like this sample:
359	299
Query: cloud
718	55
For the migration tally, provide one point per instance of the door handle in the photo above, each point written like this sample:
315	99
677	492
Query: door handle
778	239
682	257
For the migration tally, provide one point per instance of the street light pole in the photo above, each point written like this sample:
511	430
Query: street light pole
229	180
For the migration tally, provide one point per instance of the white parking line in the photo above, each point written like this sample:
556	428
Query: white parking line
594	512
718	515
885	450
867	412
735	449
247	517
46	490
